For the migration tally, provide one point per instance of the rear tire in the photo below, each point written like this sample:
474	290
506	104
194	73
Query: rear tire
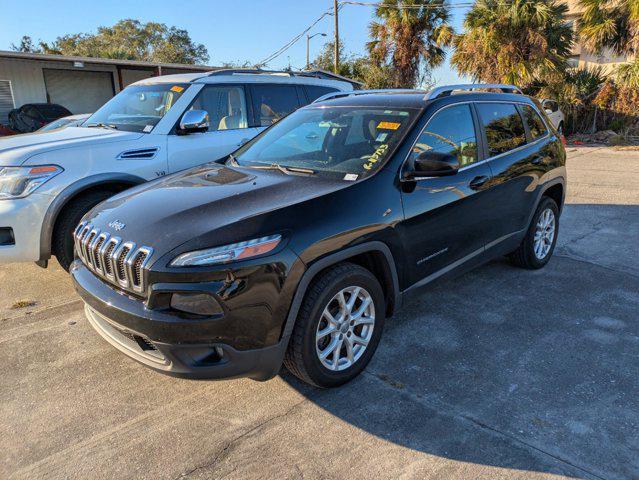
62	239
354	331
539	243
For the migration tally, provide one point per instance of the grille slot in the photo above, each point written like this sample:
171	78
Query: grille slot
118	262
140	153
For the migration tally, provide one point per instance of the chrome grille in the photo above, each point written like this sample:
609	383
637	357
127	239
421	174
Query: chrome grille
121	263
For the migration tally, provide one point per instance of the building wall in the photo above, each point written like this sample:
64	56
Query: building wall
27	79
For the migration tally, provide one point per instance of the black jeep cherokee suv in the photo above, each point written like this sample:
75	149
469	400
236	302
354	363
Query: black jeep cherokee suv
297	247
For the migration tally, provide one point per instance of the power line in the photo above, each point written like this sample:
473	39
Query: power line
409	7
295	39
341	3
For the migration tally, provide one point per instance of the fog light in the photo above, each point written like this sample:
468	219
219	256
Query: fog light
196	303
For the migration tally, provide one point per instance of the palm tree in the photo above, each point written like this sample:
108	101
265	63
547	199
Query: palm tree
613	24
514	41
410	35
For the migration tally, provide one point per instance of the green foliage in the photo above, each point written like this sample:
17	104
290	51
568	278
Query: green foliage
627	74
521	42
127	40
407	41
610	24
358	68
26	45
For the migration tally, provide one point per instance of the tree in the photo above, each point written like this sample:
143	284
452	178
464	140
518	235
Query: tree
410	37
26	45
127	40
613	24
519	42
358	68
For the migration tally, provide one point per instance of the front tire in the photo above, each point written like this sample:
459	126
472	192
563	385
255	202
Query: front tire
338	327
539	243
62	240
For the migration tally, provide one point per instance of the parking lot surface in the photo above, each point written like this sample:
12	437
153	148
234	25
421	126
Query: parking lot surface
500	373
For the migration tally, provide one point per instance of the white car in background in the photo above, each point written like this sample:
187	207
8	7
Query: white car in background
556	116
70	121
160	125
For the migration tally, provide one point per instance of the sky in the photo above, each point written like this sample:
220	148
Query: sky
231	30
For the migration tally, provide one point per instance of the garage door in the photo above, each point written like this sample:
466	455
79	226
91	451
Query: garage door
78	91
6	101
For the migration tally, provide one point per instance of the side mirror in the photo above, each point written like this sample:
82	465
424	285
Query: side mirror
194	121
434	164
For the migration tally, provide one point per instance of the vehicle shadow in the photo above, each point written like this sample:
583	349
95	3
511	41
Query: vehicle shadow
528	370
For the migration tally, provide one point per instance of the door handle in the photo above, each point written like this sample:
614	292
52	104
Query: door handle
478	182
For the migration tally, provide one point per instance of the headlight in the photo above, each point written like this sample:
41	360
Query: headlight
228	253
18	182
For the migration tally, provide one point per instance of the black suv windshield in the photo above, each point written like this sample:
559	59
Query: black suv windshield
137	108
348	142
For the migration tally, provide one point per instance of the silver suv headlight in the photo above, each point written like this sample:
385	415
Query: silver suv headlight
228	253
18	182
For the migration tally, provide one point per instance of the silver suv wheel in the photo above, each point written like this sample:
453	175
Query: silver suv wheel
544	233
345	328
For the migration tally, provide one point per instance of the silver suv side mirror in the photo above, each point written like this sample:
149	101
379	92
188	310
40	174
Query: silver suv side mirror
194	121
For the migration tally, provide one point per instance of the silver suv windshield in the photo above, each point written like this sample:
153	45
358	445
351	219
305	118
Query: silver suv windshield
343	142
137	108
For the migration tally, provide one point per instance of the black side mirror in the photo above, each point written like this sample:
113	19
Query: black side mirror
434	164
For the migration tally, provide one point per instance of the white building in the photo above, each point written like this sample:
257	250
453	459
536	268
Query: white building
80	84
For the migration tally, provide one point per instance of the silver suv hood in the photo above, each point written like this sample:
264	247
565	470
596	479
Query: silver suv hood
17	149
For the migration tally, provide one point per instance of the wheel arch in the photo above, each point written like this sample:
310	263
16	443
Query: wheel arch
556	191
115	181
374	256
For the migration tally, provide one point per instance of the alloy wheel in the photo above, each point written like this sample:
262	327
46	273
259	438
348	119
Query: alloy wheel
345	328
544	234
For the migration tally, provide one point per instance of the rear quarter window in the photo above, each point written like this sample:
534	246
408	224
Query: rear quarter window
503	126
313	92
535	124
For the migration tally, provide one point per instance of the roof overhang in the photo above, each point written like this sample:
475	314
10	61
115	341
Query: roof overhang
100	61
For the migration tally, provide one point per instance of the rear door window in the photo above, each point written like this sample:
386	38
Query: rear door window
536	125
273	102
503	126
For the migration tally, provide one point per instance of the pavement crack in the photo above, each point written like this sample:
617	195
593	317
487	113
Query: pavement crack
234	441
570	255
451	411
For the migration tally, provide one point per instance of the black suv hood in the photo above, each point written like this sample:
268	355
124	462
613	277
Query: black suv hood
198	206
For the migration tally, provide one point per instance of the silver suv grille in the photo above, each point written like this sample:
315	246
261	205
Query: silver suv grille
119	262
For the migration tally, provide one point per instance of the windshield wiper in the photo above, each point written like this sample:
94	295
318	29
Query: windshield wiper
102	125
283	169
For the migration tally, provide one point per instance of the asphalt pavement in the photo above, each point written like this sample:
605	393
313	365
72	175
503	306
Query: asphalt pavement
499	373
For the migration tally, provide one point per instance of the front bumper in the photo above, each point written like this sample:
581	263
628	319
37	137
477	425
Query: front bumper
24	216
170	344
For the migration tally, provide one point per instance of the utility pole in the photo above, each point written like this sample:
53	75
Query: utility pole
336	40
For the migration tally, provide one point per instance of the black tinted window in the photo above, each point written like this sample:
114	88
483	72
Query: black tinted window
503	125
314	91
535	123
272	102
450	131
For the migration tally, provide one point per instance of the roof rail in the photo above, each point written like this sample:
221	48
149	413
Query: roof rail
428	94
291	73
448	89
365	92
